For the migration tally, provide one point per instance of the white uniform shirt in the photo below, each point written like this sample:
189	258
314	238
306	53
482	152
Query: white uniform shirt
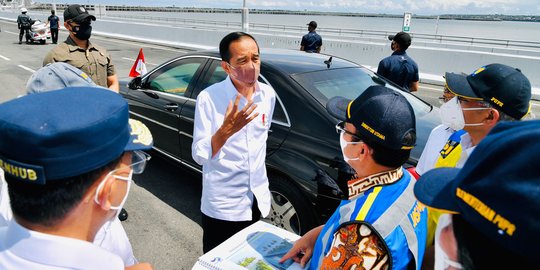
111	236
237	171
435	143
21	248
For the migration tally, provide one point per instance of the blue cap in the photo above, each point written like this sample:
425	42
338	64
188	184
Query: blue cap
379	113
55	76
498	189
64	133
504	87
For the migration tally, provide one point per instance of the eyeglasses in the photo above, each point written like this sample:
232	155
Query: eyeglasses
340	128
138	161
447	95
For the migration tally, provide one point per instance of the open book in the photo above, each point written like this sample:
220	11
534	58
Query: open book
257	247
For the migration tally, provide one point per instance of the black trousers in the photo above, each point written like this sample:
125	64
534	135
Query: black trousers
54	35
22	32
215	231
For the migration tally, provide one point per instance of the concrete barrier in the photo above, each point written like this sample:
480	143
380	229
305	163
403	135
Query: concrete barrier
433	59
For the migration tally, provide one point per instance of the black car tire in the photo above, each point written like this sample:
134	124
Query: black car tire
290	209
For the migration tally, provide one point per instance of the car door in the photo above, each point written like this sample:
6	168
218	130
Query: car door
158	104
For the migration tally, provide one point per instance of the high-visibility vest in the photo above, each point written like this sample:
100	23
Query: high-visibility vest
395	214
448	157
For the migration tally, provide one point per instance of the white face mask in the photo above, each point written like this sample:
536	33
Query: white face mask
442	261
128	179
452	114
343	143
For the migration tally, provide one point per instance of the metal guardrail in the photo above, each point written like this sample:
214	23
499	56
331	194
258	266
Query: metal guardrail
344	32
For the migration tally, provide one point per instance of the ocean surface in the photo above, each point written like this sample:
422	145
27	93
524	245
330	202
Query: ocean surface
504	30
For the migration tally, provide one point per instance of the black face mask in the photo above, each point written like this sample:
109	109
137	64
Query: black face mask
83	31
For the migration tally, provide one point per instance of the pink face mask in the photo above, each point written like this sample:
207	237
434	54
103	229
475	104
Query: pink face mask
247	74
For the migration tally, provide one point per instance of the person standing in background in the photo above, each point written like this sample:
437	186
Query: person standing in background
53	22
79	52
399	67
23	23
311	42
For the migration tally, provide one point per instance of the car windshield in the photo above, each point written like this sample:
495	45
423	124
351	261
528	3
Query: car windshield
349	83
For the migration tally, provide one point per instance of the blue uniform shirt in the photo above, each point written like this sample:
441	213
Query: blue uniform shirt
399	68
53	21
311	41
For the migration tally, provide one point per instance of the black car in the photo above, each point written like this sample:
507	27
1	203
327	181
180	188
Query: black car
304	159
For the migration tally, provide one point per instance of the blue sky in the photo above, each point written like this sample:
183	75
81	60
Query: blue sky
422	7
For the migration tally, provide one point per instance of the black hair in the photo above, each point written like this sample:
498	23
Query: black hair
476	251
52	12
49	203
385	156
225	43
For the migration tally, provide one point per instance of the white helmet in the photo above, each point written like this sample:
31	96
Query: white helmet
24	10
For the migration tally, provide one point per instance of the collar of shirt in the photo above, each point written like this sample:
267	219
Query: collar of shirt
358	186
232	91
74	47
399	53
58	251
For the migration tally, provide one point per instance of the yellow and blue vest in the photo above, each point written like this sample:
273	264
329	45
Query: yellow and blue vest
393	212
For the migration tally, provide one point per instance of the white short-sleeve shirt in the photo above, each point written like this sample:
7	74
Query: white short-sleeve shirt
21	248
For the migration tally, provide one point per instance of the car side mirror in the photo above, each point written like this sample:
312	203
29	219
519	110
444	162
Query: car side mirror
135	84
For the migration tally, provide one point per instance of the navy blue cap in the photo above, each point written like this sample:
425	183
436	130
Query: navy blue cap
380	114
403	39
504	87
58	134
498	189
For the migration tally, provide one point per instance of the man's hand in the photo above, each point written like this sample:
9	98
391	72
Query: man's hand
234	121
302	249
140	266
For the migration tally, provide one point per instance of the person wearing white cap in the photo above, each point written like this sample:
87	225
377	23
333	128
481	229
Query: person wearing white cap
23	23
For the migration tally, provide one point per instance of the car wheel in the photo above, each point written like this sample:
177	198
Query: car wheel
290	209
42	42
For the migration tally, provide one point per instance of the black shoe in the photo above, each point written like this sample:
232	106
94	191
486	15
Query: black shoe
20	42
123	215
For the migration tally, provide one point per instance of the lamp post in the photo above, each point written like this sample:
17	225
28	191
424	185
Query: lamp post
245	22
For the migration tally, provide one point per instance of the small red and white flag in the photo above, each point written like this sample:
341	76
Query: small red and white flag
139	67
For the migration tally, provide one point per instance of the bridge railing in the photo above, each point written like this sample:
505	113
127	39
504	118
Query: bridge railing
342	32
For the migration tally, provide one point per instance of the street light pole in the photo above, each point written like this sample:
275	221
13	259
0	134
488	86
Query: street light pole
245	21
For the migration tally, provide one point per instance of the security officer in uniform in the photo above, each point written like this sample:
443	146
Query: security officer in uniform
376	139
24	22
68	173
79	52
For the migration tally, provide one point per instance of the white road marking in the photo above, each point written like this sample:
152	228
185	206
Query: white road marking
26	68
535	104
5	58
431	88
9	32
133	60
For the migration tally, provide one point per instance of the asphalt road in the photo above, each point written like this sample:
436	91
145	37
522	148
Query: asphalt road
163	205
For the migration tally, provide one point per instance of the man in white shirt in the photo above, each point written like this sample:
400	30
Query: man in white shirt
232	119
68	173
112	235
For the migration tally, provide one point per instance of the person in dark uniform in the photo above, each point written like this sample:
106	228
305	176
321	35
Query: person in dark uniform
79	52
399	67
311	42
52	21
23	23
